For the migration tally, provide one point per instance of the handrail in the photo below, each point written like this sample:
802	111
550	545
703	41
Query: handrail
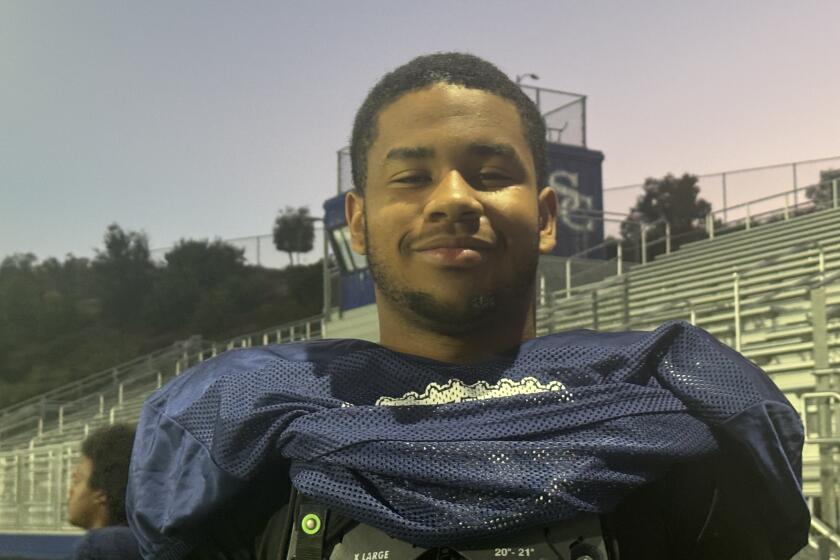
821	436
771	197
747	271
107	373
734	171
611	241
651	315
196	357
23	410
826	281
528	86
116	371
311	319
823	529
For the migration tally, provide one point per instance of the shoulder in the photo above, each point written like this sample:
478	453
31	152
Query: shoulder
291	365
108	543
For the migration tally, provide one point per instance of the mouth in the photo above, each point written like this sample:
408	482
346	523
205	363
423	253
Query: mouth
455	253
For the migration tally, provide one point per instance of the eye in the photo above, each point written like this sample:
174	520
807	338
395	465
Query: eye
494	179
415	179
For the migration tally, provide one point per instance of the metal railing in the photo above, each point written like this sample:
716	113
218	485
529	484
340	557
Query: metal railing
259	250
610	297
33	487
99	398
30	415
824	539
728	190
564	113
820	416
34	480
57	402
625	254
785	205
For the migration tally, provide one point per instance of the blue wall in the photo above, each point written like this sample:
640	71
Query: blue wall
357	290
575	174
35	545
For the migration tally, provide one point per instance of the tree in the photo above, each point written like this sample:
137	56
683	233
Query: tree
193	268
125	274
20	299
294	231
18	261
670	199
822	194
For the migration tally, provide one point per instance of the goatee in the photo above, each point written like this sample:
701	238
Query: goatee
477	312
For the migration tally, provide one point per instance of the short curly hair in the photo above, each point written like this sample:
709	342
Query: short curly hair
109	451
449	68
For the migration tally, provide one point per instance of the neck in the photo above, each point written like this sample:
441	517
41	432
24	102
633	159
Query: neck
100	520
411	336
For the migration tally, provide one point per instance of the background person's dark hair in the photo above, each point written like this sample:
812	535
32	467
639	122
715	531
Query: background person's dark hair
450	68
109	449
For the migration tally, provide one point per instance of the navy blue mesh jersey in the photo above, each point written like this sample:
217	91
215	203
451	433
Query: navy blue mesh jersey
436	454
115	542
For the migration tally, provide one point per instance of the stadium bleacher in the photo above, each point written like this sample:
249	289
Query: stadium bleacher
754	289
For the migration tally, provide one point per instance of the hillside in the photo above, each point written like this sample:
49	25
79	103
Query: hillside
60	321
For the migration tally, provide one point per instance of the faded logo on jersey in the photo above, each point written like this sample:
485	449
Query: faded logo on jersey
455	391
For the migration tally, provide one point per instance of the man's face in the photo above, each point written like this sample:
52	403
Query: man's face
85	506
452	221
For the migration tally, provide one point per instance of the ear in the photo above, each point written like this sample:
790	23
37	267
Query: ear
99	498
100	501
354	212
547	202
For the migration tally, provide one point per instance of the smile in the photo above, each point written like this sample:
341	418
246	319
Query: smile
459	257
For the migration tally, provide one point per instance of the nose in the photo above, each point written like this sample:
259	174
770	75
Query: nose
453	200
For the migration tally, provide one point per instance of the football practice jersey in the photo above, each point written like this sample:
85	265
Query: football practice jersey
436	454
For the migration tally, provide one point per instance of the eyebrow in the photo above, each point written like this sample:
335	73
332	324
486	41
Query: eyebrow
491	149
418	152
476	149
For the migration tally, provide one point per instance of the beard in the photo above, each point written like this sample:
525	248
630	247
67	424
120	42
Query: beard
476	312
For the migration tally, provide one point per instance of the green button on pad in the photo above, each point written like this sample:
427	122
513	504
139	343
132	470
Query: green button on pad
310	524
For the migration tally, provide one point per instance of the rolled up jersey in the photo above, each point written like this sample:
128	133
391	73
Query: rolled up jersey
436	454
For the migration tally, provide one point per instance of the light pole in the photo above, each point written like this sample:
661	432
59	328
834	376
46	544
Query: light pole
532	76
520	77
325	270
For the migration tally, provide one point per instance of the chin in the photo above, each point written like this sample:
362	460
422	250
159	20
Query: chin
451	315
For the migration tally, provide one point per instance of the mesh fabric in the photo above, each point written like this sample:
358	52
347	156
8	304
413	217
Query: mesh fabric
438	454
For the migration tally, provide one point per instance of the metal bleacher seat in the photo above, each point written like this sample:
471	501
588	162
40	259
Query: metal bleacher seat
751	289
40	438
777	266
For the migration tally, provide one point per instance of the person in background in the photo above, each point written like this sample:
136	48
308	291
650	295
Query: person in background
96	500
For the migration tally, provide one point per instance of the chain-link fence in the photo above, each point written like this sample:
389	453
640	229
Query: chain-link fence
564	114
728	191
259	250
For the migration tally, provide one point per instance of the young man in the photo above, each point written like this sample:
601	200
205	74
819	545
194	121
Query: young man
461	427
96	500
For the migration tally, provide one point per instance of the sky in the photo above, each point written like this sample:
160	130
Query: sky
202	119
